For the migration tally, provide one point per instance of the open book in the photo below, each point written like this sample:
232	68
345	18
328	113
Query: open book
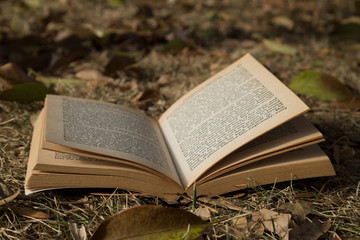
241	127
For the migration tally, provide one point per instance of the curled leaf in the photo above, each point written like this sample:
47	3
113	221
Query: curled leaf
273	221
320	85
14	74
311	230
283	21
150	222
29	212
279	47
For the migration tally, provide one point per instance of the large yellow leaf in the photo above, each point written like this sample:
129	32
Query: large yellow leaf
320	85
151	222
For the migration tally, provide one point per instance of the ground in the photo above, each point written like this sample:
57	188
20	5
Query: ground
146	55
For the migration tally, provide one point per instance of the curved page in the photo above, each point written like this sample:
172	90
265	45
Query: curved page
106	129
225	112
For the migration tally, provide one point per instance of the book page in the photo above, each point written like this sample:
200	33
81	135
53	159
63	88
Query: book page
302	163
225	112
296	133
68	161
107	129
44	165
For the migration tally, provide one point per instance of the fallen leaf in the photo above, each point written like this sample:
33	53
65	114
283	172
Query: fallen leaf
348	31
279	47
89	74
25	92
4	85
78	233
256	227
203	212
15	85
299	210
118	63
310	230
54	80
5	191
353	104
320	85
277	223
163	80
69	57
33	3
174	46
11	74
29	212
148	94
154	222
239	222
283	21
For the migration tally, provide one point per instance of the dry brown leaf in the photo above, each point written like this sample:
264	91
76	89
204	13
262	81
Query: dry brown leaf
118	63
5	191
203	212
4	84
14	74
147	97
29	212
310	230
353	104
239	222
89	74
299	210
11	74
273	221
163	80
256	227
71	56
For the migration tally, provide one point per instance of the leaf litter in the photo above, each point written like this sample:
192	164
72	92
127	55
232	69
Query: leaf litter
166	49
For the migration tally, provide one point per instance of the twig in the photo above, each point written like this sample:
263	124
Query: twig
7	121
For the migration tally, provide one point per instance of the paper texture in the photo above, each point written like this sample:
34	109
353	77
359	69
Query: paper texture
230	109
107	129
